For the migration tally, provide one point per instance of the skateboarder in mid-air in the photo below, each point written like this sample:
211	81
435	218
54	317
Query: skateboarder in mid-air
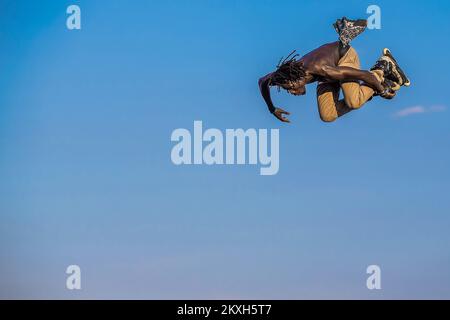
335	66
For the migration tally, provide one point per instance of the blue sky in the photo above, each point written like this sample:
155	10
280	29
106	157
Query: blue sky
86	176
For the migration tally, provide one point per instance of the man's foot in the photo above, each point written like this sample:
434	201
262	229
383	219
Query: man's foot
397	73
349	29
391	69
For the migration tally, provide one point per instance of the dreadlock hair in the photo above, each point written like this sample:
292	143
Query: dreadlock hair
287	70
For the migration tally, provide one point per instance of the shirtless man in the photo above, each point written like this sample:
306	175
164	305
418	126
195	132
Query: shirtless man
335	66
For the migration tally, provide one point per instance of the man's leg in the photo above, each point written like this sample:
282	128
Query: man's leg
330	107
355	93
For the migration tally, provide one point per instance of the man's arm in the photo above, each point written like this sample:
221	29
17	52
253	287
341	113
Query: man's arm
264	88
349	73
265	91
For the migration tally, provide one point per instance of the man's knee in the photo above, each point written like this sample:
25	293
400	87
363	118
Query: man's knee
328	117
353	103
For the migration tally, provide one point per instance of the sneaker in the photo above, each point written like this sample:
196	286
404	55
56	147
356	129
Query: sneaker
386	66
397	73
349	29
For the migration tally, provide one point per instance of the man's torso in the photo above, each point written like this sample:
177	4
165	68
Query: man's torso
327	55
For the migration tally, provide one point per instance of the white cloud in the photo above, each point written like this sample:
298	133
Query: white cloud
438	108
418	110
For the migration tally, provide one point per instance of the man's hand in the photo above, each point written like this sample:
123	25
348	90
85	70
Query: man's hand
388	94
390	89
279	114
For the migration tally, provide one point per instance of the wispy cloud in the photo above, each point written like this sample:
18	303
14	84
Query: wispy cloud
418	110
